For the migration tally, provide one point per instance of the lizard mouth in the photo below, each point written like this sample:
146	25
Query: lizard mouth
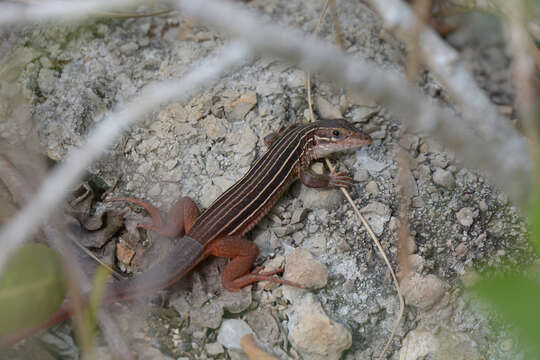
352	142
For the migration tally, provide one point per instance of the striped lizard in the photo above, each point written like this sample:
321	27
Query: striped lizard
219	229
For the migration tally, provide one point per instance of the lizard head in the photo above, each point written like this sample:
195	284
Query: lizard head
336	135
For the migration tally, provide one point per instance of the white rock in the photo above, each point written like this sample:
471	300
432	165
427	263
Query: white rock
238	109
215	128
372	188
214	349
466	216
303	269
377	215
326	109
247	141
418	345
231	331
314	334
422	291
443	178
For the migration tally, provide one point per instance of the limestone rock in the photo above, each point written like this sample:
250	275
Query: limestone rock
422	291
314	334
303	269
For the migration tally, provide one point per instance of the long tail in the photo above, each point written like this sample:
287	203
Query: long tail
172	268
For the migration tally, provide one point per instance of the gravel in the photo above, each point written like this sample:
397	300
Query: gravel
71	75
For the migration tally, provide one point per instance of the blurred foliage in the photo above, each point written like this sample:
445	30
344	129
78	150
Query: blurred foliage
32	288
515	295
90	315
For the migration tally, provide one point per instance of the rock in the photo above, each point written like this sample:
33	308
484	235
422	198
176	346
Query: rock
302	268
207	316
365	162
282	231
418	345
223	182
215	128
421	344
214	349
422	291
461	249
231	331
439	161
320	199
266	89
422	172
208	194
496	228
326	109
173	113
237	301
247	141
314	334
377	215
155	190
483	205
372	188
47	80
239	108
129	48
363	114
377	135
466	216
418	202
316	244
444	178
299	215
361	175
264	325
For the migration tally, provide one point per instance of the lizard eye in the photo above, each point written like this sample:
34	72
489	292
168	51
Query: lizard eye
335	133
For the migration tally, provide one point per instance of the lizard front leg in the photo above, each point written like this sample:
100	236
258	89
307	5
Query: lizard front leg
180	217
243	254
333	180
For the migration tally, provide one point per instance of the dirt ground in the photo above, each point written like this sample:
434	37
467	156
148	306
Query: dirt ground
71	75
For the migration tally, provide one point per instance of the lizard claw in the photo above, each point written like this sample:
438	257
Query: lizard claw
340	180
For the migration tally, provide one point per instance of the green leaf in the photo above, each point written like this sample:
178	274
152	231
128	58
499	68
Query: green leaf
32	287
515	297
99	284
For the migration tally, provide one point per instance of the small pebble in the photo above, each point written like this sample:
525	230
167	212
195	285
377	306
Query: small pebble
466	216
443	178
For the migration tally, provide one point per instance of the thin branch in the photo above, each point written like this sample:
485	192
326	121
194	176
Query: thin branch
445	65
14	14
422	8
488	152
54	189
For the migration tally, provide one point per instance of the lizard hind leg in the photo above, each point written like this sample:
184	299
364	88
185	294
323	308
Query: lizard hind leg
180	217
242	254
